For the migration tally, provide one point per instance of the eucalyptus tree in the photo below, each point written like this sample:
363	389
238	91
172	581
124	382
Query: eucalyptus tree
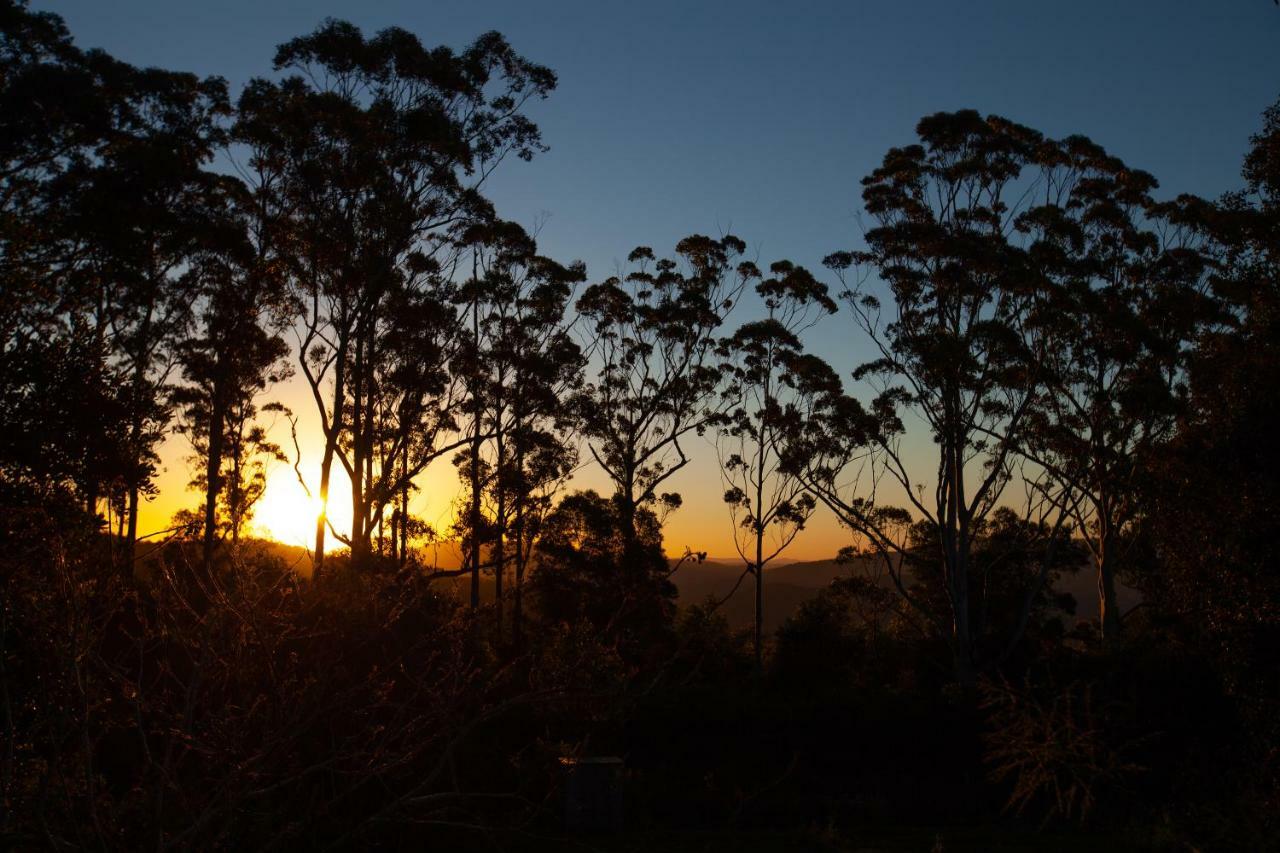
654	336
413	415
61	414
143	209
516	366
585	581
1122	301
771	389
541	454
234	352
59	108
543	457
1211	512
953	353
36	146
102	205
374	151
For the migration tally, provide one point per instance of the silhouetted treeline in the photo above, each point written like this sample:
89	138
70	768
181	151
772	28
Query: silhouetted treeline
1070	375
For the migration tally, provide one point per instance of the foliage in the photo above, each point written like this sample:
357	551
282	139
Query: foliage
1122	300
1210	498
589	571
653	337
771	388
369	157
1094	371
1054	748
516	370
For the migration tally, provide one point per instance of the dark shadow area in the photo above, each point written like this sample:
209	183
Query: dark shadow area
1055	626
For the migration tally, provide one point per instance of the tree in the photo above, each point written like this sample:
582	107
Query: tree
1120	306
654	337
772	384
951	353
585	575
516	369
235	352
863	631
373	154
143	210
101	207
1210	498
59	107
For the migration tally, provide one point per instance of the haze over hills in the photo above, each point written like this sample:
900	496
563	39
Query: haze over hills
788	584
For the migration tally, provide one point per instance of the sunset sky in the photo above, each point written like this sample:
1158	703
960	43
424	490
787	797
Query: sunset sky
754	118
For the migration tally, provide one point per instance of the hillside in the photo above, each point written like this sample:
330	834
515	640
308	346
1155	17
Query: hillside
787	585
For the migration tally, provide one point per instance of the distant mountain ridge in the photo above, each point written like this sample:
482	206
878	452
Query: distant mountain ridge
787	584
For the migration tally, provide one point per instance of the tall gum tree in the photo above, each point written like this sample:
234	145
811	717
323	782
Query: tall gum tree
235	351
61	411
653	334
770	392
953	354
517	367
375	151
1124	292
145	207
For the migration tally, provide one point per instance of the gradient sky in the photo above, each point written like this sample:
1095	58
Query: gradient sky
760	118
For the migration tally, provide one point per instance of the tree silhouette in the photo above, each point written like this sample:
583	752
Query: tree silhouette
234	353
102	206
654	337
1063	367
374	152
141	210
597	567
1210	501
516	369
951	350
771	387
1121	301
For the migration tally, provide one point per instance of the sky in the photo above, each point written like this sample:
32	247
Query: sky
759	119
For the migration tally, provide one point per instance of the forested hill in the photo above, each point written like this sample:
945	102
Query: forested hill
789	585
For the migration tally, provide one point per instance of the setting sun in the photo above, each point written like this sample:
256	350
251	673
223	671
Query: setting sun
757	428
288	514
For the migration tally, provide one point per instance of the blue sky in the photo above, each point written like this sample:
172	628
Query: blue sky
672	118
761	118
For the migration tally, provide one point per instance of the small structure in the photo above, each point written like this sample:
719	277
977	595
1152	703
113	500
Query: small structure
592	793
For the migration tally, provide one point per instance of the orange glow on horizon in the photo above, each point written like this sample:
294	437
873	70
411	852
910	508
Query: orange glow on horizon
287	514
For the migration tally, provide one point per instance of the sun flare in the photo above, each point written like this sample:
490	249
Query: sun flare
288	514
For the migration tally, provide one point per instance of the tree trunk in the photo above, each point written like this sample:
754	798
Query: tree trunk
627	511
141	364
475	453
759	530
500	517
517	604
359	426
1108	607
326	468
475	513
404	508
212	474
956	545
131	537
326	462
759	626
